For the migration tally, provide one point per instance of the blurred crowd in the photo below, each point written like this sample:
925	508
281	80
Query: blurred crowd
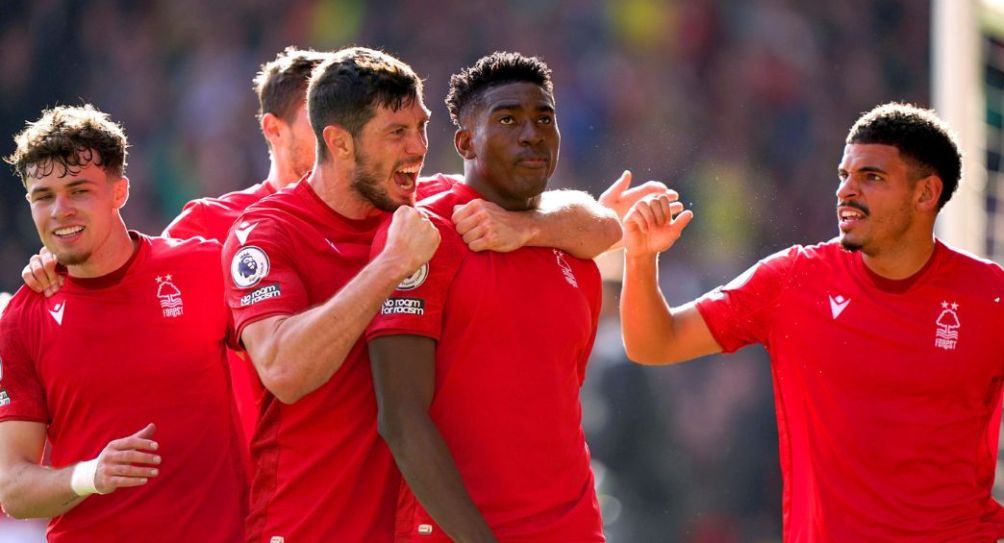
740	105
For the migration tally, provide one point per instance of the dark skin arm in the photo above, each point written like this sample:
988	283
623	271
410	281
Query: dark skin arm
404	374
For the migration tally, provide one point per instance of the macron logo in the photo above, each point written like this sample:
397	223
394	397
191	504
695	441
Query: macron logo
243	231
838	305
57	312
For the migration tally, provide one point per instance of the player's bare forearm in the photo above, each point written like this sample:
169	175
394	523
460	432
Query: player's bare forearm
296	355
574	222
404	377
30	490
653	333
27	489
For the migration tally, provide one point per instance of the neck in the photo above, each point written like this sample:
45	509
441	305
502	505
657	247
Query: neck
334	187
111	255
902	261
280	175
489	192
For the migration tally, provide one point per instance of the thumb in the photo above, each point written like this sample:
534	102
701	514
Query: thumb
619	186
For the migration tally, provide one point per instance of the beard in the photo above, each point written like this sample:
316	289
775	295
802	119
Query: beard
849	245
366	183
71	259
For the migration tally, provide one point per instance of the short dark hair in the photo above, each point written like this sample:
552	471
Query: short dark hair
281	84
347	88
921	137
498	68
69	137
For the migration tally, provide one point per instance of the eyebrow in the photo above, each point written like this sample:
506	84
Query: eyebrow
70	185
543	106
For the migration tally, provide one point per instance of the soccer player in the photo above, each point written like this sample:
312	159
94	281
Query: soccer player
479	357
124	369
886	359
301	293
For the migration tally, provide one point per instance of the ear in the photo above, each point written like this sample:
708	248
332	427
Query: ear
271	127
929	193
463	140
338	141
120	191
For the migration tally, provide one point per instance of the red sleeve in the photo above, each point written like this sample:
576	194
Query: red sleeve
189	223
740	313
22	396
416	306
261	276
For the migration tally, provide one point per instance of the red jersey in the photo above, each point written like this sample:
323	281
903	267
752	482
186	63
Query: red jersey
514	332
887	392
105	356
321	471
212	218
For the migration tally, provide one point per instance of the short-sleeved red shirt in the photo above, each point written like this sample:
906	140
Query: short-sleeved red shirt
514	332
105	356
887	392
321	471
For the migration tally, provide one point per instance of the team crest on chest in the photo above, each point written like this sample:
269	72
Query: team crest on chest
566	268
249	266
170	297
947	334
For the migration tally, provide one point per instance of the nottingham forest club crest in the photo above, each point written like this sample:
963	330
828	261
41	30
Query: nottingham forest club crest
169	295
947	334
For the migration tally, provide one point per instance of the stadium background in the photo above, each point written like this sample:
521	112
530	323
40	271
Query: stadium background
741	105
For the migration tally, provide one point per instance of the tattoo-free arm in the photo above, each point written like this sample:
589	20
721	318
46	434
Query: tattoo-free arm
404	372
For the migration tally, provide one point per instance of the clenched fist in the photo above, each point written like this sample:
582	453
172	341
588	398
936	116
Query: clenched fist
412	239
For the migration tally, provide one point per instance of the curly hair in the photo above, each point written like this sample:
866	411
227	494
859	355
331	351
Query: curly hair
281	84
69	137
347	88
498	68
922	138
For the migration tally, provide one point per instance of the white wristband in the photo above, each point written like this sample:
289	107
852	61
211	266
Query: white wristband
82	479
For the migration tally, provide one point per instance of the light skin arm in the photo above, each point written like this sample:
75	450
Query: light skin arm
295	355
404	372
654	333
566	219
31	490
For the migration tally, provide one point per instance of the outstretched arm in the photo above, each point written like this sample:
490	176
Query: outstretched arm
294	355
404	374
570	220
654	333
30	490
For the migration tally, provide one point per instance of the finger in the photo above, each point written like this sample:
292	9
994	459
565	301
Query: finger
49	266
619	186
473	234
462	212
478	245
467	222
652	187
147	431
126	470
681	221
123	482
131	456
29	279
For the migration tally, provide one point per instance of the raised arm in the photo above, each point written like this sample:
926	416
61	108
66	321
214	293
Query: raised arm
31	490
654	333
404	372
295	355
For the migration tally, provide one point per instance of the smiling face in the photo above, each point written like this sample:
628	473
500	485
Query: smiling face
76	211
878	199
389	153
510	142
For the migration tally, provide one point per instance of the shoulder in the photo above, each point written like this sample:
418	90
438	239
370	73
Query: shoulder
435	184
198	250
20	309
972	264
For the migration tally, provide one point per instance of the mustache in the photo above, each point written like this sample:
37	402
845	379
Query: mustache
860	207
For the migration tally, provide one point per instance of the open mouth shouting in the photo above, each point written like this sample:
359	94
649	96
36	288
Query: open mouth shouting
406	178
